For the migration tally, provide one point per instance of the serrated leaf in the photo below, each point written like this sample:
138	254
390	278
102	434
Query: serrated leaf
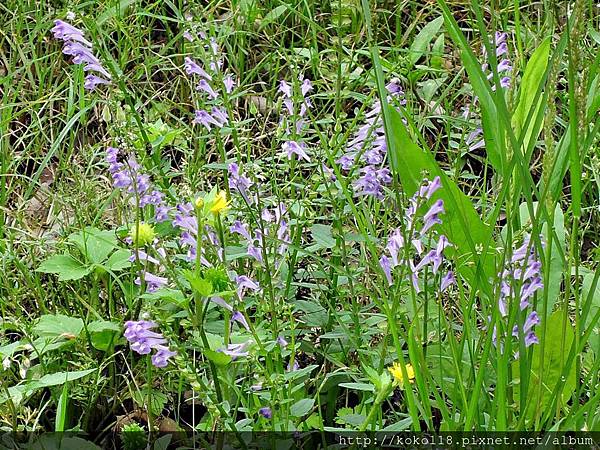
65	266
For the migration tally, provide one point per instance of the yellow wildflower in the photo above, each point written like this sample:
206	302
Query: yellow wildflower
220	203
396	371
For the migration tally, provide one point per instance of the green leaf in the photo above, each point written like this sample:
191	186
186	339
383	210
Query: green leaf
555	355
530	85
119	260
199	285
219	358
302	407
586	287
322	235
422	40
65	266
103	334
273	15
58	326
314	314
57	379
157	400
461	224
95	244
358	386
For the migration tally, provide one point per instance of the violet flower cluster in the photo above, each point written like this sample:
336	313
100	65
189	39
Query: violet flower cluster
211	81
143	340
294	112
504	67
520	280
408	248
77	46
128	177
368	149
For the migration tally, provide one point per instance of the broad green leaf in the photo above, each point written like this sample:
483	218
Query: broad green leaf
461	223
322	235
555	355
65	266
219	358
57	379
95	244
58	326
119	260
103	333
358	386
302	407
423	39
530	85
199	285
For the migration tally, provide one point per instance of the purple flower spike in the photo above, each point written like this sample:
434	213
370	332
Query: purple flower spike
285	89
204	86
235	350
153	282
243	282
143	341
67	32
229	84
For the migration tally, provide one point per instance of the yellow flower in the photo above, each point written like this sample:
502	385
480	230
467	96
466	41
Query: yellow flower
199	202
396	371
142	234
220	203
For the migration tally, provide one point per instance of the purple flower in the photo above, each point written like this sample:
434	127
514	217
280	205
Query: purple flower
205	87
220	115
204	118
306	87
229	83
241	229
447	281
431	217
239	317
293	148
386	266
67	32
91	81
285	89
266	412
161	357
239	182
143	341
282	342
243	282
153	282
235	350
191	67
